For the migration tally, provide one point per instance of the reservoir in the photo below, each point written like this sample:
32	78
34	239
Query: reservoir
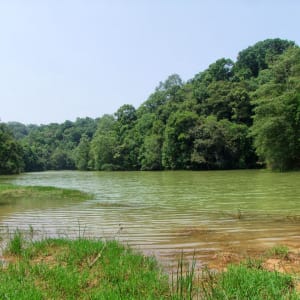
166	213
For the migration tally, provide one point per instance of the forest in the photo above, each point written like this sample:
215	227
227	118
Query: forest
233	115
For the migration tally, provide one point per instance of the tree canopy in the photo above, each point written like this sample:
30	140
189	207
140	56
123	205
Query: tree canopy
276	127
242	114
10	152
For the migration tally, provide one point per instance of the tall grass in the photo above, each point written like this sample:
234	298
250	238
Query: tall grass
240	282
92	269
16	243
280	251
79	269
182	281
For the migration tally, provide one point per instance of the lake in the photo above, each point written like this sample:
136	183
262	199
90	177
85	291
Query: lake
165	213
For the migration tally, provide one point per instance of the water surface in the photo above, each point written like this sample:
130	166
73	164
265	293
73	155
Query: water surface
164	213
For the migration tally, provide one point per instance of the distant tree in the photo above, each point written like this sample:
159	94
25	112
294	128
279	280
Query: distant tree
19	130
62	159
52	146
104	145
127	149
151	153
171	84
11	153
153	103
177	146
218	102
240	104
82	153
221	70
221	145
199	124
33	159
126	116
276	127
259	56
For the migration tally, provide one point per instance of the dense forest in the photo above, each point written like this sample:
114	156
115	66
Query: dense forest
243	114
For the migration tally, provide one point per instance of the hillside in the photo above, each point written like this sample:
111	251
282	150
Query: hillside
242	114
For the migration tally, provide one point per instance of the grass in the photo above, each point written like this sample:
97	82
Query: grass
9	192
182	281
16	243
241	282
94	269
279	251
79	269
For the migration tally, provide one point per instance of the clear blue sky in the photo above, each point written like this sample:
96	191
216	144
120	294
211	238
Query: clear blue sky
62	59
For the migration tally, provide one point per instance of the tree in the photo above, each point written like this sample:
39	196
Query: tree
11	153
126	116
19	130
221	70
33	160
218	101
176	151
276	127
171	84
259	56
82	153
241	107
221	145
62	159
104	145
201	124
126	151
151	153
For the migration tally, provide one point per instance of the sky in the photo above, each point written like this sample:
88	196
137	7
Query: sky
63	59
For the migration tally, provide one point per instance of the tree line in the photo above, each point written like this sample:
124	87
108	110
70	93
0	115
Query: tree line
233	115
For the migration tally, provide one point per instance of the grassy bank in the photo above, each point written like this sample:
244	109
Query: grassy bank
93	269
9	192
78	269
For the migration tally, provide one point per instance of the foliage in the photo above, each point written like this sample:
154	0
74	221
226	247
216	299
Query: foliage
177	140
276	127
151	153
82	153
224	118
258	57
104	143
10	152
53	146
221	145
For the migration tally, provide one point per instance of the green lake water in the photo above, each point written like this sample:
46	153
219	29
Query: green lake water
165	213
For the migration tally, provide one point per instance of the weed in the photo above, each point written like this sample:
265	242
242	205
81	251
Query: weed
240	282
279	251
81	232
251	263
15	244
182	282
31	232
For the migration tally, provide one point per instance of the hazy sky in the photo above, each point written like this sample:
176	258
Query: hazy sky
62	59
